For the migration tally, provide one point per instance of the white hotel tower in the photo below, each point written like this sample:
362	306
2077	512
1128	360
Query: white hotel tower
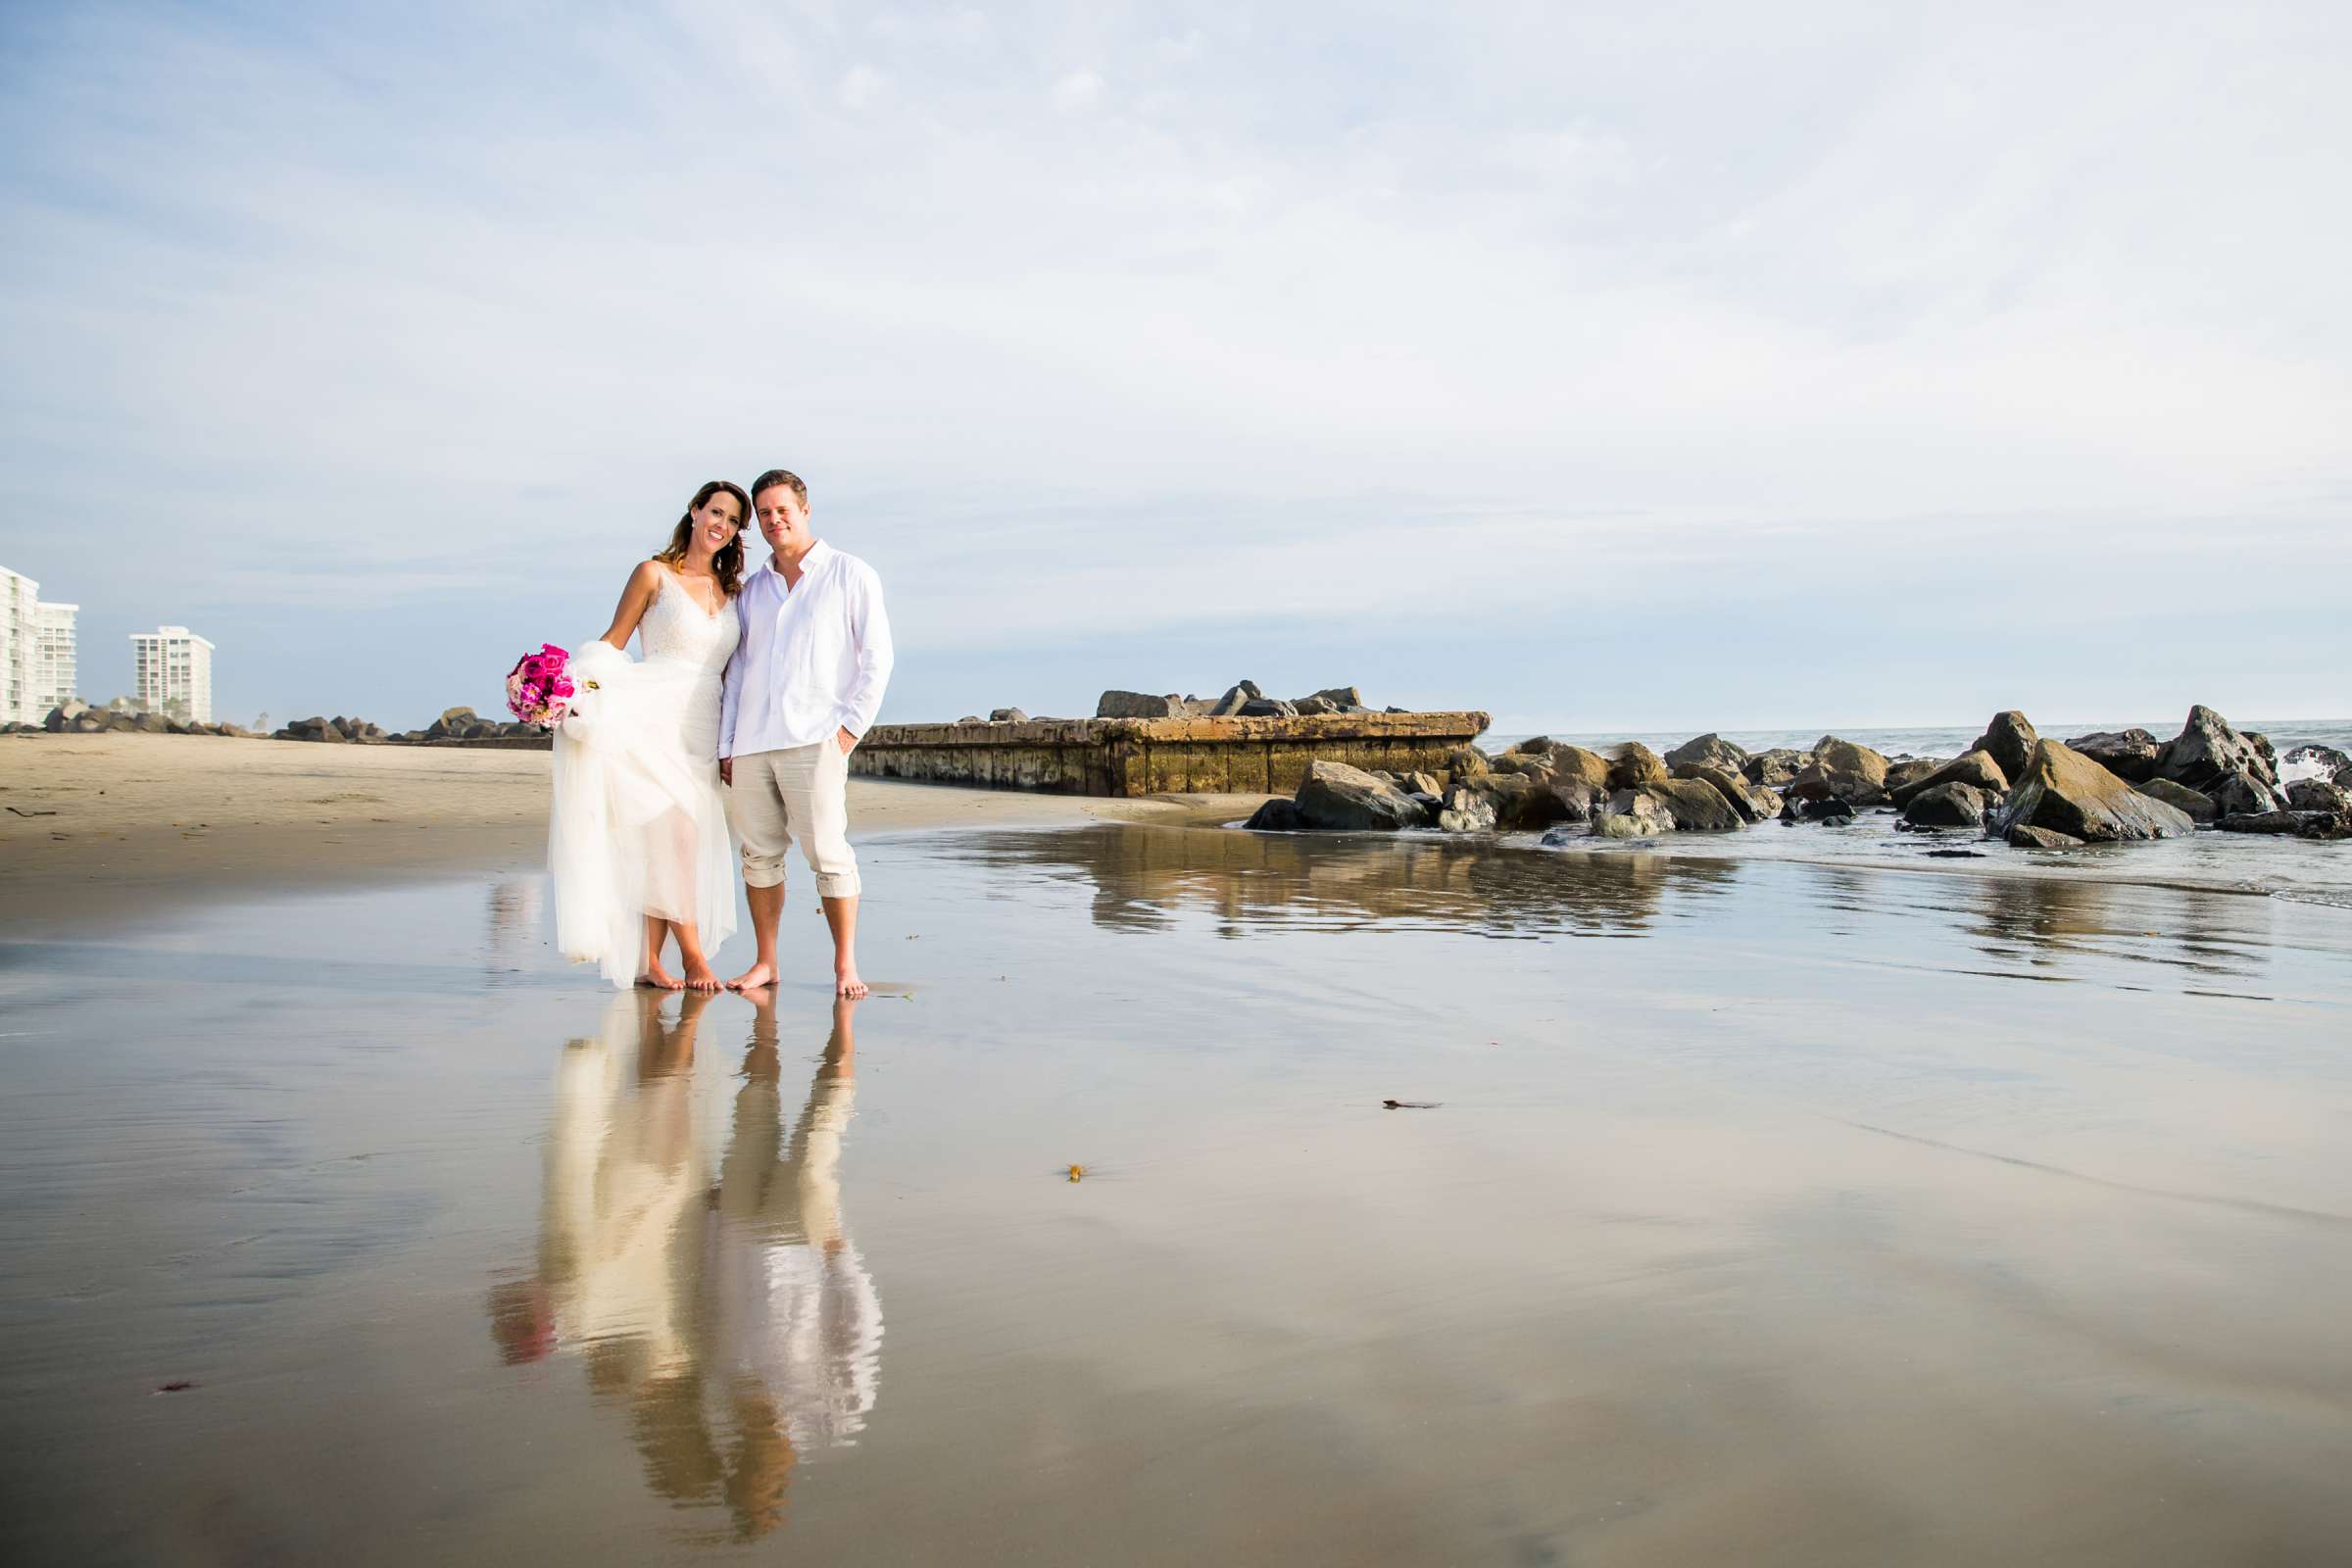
36	650
175	673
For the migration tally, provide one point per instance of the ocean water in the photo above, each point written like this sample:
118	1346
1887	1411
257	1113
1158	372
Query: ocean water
1764	1211
1945	740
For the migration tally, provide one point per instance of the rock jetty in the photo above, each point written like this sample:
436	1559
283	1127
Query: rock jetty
2012	783
454	725
1243	699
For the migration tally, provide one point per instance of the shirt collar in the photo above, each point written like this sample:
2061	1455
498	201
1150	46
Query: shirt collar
816	557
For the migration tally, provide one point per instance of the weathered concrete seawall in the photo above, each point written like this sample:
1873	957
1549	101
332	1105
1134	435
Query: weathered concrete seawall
1159	756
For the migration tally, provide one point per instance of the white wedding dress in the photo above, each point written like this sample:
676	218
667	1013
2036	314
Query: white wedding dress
638	826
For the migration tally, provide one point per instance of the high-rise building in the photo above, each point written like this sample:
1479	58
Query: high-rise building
20	617
55	676
36	650
175	672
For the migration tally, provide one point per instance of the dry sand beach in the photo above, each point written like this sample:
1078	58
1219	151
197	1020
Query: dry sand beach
1763	1211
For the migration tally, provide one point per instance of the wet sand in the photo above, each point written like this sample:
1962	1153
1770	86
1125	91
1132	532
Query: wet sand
1770	1213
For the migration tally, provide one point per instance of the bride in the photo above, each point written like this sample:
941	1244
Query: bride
637	840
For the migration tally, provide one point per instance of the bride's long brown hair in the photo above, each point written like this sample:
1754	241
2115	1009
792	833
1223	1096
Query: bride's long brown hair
727	565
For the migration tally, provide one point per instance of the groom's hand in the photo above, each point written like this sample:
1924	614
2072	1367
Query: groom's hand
846	741
727	771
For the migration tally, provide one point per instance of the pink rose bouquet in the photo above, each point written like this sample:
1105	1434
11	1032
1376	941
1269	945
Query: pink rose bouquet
538	687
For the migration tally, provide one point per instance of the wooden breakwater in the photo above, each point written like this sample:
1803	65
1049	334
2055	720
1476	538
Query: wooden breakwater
1128	757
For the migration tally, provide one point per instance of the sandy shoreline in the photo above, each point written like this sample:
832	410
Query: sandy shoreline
100	827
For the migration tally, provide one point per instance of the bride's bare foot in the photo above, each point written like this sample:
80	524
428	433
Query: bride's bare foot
660	979
699	976
846	983
758	977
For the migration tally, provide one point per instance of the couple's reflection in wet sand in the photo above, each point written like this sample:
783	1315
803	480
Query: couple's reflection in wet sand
717	1303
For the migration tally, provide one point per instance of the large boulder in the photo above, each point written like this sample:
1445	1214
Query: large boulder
2009	741
1578	799
2129	754
1336	797
63	714
1267	708
1909	771
1711	749
1633	764
1277	815
1633	815
1465	763
2317	795
1573	764
1976	769
2026	836
1754	805
1950	804
1525	802
1313	705
1695	805
1229	705
2064	792
2198	804
1464	809
1006	715
1347	699
1778	767
1137	705
2239	792
2207	749
1841	770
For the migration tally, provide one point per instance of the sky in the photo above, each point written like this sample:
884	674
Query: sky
1717	367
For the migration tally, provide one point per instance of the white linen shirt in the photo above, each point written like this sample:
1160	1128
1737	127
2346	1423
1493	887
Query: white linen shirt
812	659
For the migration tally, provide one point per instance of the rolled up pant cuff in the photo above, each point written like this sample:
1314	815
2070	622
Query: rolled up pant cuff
797	795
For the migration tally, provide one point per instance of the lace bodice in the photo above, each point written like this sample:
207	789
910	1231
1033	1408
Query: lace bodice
677	627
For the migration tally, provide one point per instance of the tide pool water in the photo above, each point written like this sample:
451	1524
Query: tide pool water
1763	1211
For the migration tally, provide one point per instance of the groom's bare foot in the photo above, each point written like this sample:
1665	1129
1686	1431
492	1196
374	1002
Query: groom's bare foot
660	979
699	976
846	983
758	977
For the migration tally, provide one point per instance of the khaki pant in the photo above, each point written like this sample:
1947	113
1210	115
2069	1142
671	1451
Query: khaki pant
800	791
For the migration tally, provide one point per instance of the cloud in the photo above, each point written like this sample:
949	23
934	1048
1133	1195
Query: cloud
859	85
1078	91
1629	321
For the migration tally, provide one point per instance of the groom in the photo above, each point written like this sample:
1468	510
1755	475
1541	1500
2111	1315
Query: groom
804	685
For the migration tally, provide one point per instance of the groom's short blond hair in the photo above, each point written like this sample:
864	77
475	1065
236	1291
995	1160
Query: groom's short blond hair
780	477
